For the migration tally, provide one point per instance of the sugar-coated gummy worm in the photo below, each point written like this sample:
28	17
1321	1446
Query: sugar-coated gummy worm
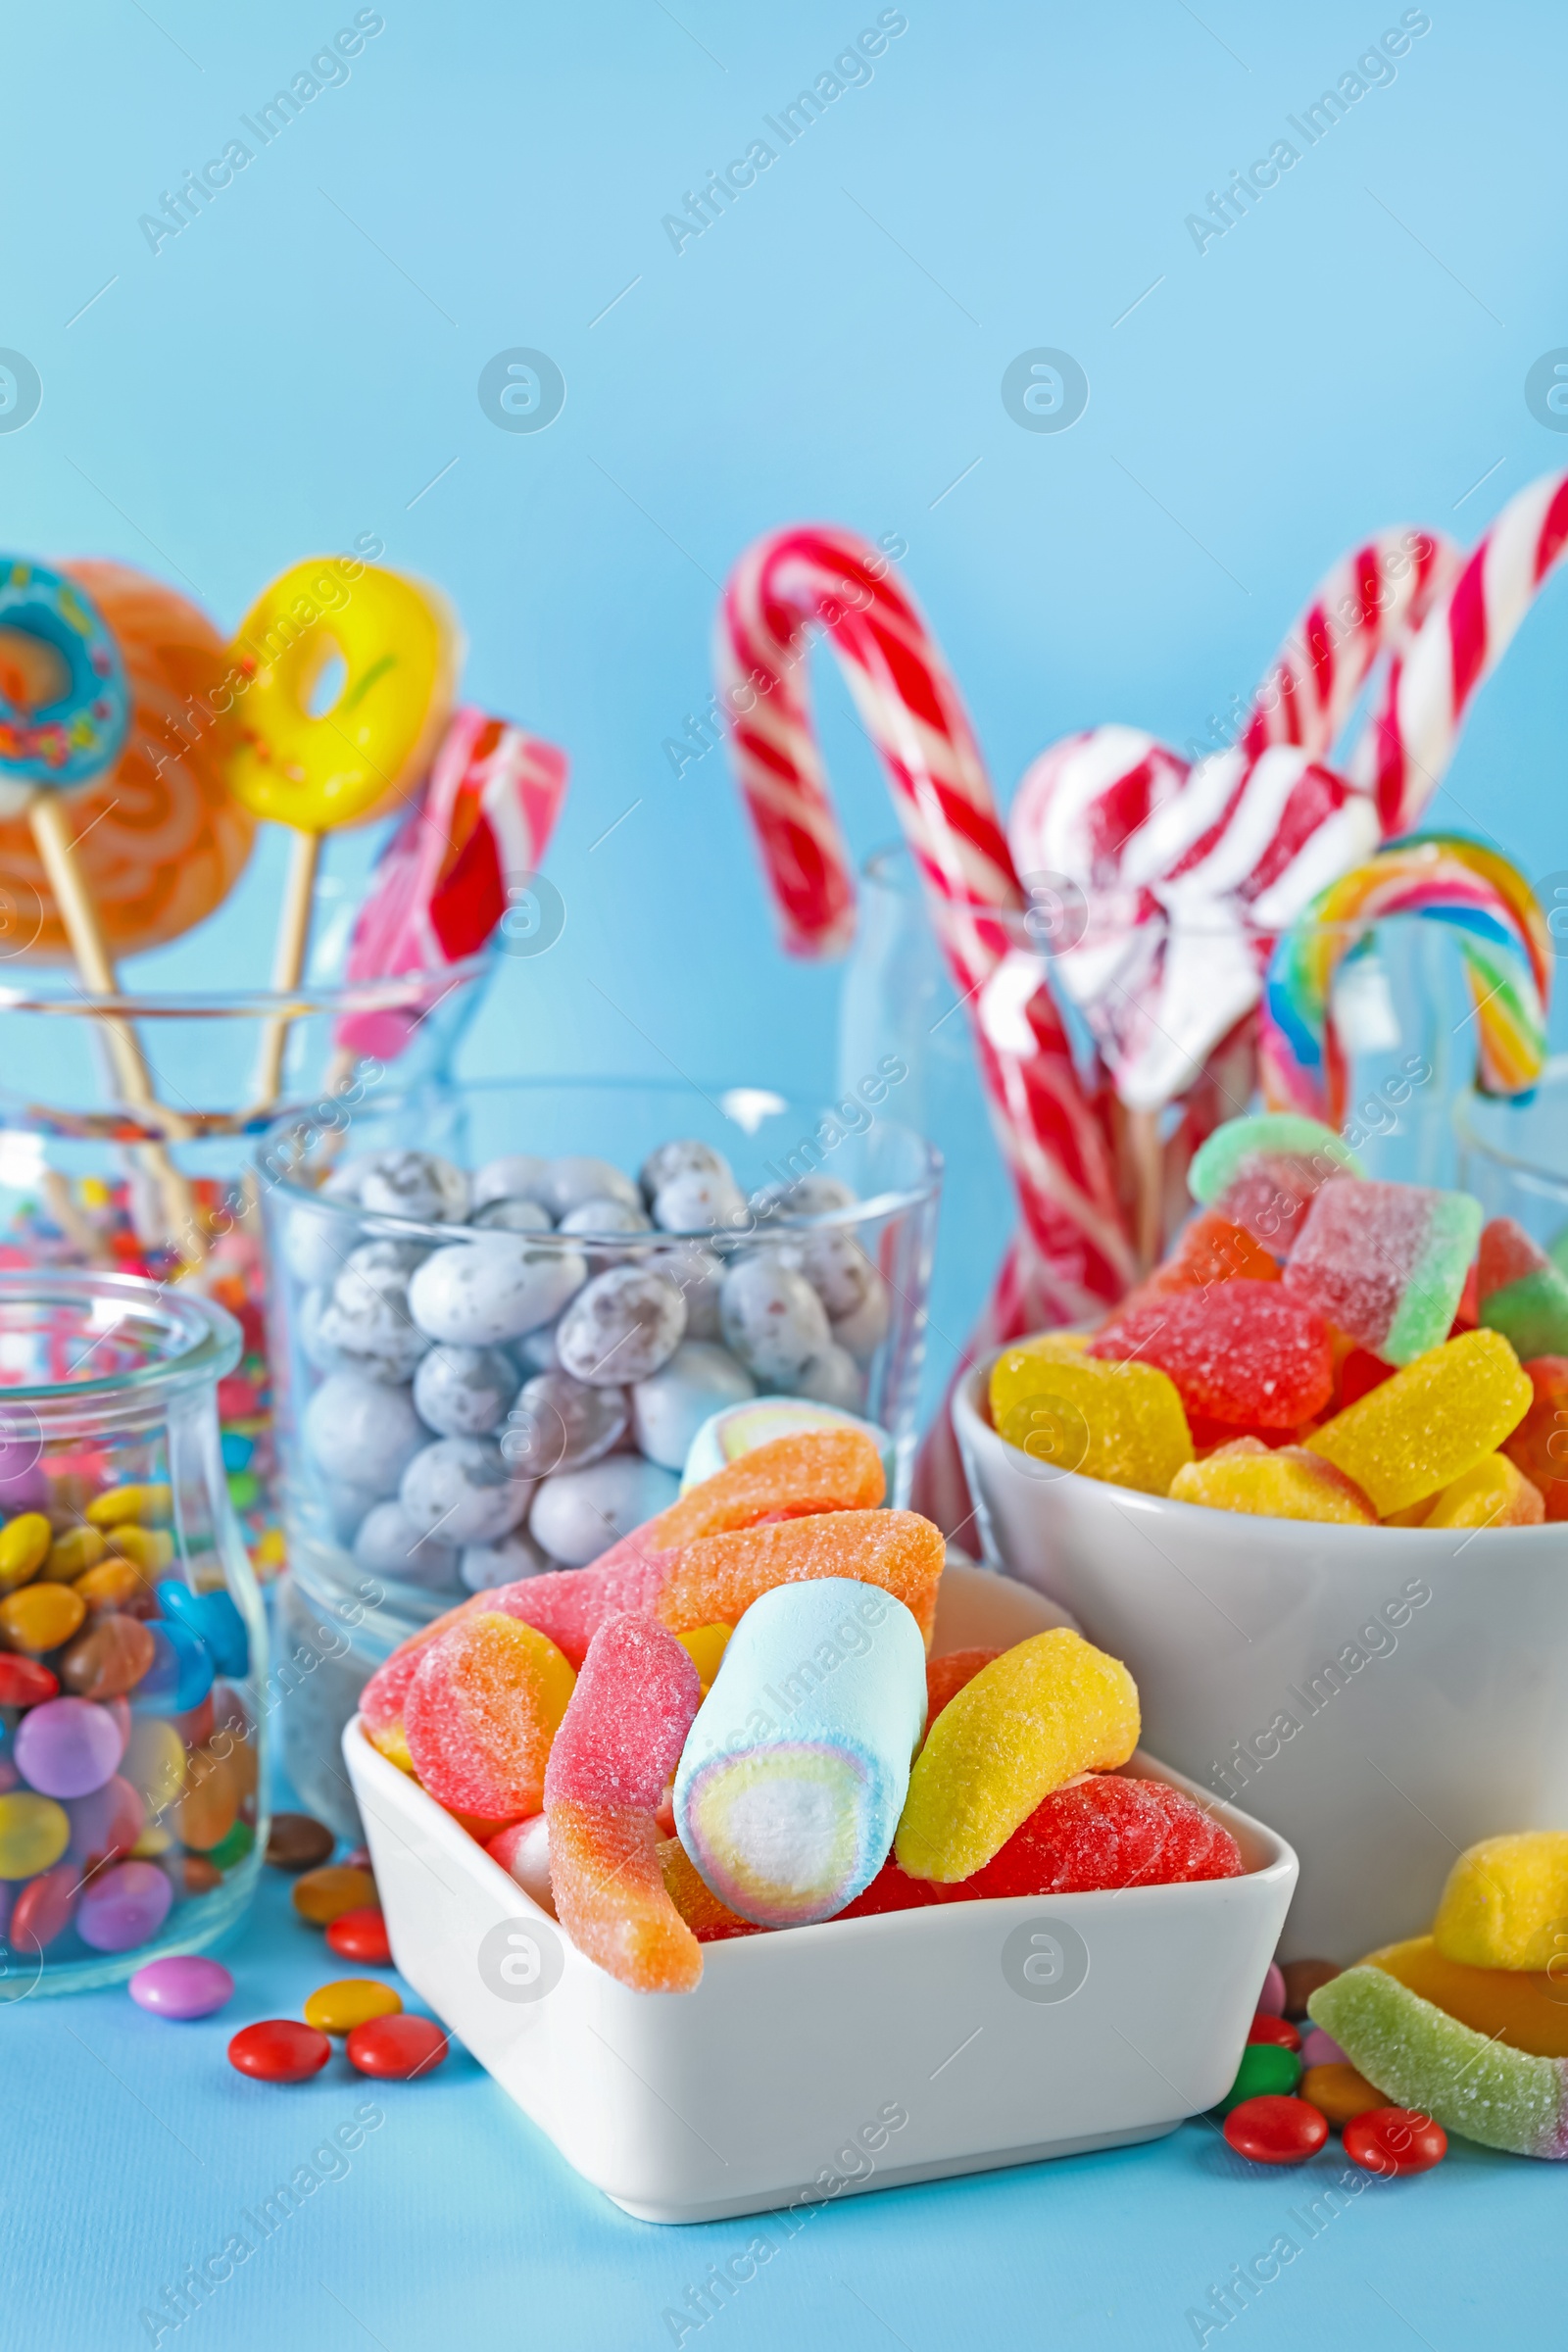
719	1577
1416	2054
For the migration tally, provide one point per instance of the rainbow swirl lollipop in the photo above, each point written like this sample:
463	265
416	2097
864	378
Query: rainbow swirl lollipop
1443	878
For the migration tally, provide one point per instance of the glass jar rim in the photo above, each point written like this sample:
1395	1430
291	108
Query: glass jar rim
1469	1104
888	1202
212	1349
308	1001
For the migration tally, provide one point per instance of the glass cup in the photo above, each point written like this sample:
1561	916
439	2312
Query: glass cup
132	1806
165	1189
575	1463
1514	1156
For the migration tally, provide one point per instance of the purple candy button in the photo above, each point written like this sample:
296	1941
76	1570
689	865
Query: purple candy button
123	1906
1322	2049
185	1987
68	1747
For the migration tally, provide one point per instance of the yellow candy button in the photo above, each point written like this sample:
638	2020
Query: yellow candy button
349	2003
41	1616
35	1832
72	1554
24	1549
121	1504
152	1548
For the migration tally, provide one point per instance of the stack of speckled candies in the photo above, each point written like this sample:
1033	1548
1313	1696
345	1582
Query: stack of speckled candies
127	1766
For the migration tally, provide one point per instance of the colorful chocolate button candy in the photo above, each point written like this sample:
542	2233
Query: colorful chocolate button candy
359	1935
1275	2130
397	2049
350	2002
322	1896
298	1841
184	1987
279	2049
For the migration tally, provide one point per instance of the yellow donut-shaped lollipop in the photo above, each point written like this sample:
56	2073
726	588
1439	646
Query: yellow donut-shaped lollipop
344	766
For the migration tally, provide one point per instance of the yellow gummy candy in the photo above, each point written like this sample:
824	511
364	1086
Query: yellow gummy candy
1494	1493
1284	1483
1525	2009
1505	1904
1434	1420
1048	1709
704	1645
1121	1423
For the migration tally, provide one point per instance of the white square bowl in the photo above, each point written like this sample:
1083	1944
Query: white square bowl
853	2055
1383	1696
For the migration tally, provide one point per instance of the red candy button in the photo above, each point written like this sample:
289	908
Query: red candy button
1393	2140
23	1683
279	2050
359	1935
396	2048
44	1908
1276	2030
1274	2129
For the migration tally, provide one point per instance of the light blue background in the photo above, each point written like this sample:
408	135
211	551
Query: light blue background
300	366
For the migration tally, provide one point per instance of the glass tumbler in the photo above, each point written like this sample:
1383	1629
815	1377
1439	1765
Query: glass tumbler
1514	1156
132	1650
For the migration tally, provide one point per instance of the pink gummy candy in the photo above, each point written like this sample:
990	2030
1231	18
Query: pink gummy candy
1110	1832
1386	1262
1242	1352
627	1723
570	1605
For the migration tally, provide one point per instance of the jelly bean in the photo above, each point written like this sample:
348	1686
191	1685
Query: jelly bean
397	2049
514	1176
279	2050
1123	1423
109	1658
1394	2141
1277	2032
479	1294
481	1712
233	1846
1047	1709
1264	2072
681	1155
204	1813
463	1487
1504	1901
322	1896
558	1423
1271	2000
462	1392
670	1406
149	1549
1320	2050
1275	2130
1302	1980
215	1620
149	1503
40	1617
575	1178
155	1761
359	1935
298	1841
110	1586
44	1908
123	1906
362	1432
772	1319
417	1185
181	1674
184	1987
512	1216
483	1566
599	1218
1336	2088
367	1321
23	1683
68	1747
35	1832
621	1327
388	1542
350	2002
1539	1444
24	1545
578	1514
1434	1420
199	1875
106	1825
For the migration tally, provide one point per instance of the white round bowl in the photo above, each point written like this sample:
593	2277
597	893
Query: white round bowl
1381	1697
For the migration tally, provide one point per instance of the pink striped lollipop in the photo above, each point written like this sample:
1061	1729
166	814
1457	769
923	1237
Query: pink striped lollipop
813	574
1405	750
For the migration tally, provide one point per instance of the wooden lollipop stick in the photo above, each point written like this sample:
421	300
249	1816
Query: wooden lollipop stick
288	960
51	831
1149	1186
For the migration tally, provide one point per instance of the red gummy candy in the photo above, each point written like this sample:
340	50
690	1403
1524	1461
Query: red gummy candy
893	1889
1243	1351
946	1677
1210	1249
1360	1373
623	1733
1108	1831
1506	1254
1538	1446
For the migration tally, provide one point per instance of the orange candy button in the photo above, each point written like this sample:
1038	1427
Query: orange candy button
322	1896
1340	2093
41	1616
351	2001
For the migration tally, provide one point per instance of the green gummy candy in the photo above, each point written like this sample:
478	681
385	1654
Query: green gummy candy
1265	2070
1434	1283
1418	2056
1280	1133
1558	1250
1531	1313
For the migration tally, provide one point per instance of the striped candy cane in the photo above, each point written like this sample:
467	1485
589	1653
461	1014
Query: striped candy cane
1374	597
1405	750
815	576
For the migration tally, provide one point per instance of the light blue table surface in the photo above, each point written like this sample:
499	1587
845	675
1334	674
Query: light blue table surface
298	368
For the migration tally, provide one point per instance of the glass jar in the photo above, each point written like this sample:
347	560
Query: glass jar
355	1414
1514	1156
165	1189
133	1805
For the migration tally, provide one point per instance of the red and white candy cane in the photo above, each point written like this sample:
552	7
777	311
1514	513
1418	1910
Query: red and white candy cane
816	575
1374	597
1407	744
